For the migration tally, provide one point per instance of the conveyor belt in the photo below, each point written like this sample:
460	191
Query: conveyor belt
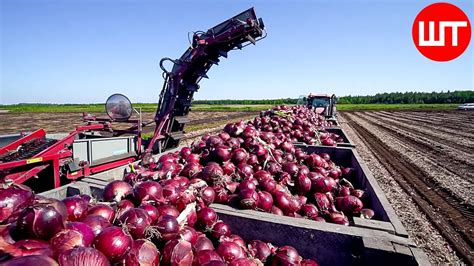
27	150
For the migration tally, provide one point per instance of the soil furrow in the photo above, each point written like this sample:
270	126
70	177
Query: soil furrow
452	224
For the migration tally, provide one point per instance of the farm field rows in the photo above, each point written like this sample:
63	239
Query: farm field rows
65	122
430	156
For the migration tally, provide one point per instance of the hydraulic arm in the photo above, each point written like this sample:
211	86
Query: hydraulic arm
182	80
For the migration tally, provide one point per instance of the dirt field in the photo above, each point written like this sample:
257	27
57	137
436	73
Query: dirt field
424	162
66	122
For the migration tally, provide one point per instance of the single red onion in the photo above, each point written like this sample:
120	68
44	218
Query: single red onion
103	210
191	169
259	249
84	229
177	252
189	234
220	229
367	213
148	191
116	190
43	219
310	211
151	211
349	204
265	201
248	198
76	208
203	243
113	242
80	256
230	251
142	252
168	227
208	195
13	199
286	255
67	239
277	211
136	221
123	206
206	217
97	223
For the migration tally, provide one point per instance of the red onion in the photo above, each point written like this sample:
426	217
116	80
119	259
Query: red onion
76	208
314	160
244	170
359	193
322	202
168	227
189	234
142	252
148	191
349	204
167	210
286	255
290	168
282	200
206	217
212	172
367	213
338	218
81	256
151	211
68	239
245	262
310	211
344	191
265	201
103	210
85	230
214	141
205	256
268	185
13	199
248	198
230	251
259	249
203	243
277	211
191	169
37	260
43	219
228	168
302	184
239	156
177	252
193	158
29	247
185	152
97	223
221	194
208	195
116	190
136	221
221	153
113	242
123	206
220	229
323	184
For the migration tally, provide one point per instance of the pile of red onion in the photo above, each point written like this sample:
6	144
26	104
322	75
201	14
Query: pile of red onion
298	124
163	222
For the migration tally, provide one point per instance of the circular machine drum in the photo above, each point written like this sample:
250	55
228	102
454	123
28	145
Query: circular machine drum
118	107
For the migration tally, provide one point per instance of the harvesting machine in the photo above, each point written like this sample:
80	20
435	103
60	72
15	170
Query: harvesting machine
105	143
323	104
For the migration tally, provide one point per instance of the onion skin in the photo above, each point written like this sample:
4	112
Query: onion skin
13	199
82	256
37	260
67	239
86	231
113	242
29	247
142	253
177	252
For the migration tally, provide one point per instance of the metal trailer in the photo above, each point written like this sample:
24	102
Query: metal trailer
377	241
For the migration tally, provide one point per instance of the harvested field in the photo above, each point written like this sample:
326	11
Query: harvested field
64	122
425	164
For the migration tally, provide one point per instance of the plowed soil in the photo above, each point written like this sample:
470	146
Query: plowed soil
429	158
11	123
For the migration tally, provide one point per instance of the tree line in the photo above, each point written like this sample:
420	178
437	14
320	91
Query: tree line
379	98
411	97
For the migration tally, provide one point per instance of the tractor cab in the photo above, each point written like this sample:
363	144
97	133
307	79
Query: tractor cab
323	104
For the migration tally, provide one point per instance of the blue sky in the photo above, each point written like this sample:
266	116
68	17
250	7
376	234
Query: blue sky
82	51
